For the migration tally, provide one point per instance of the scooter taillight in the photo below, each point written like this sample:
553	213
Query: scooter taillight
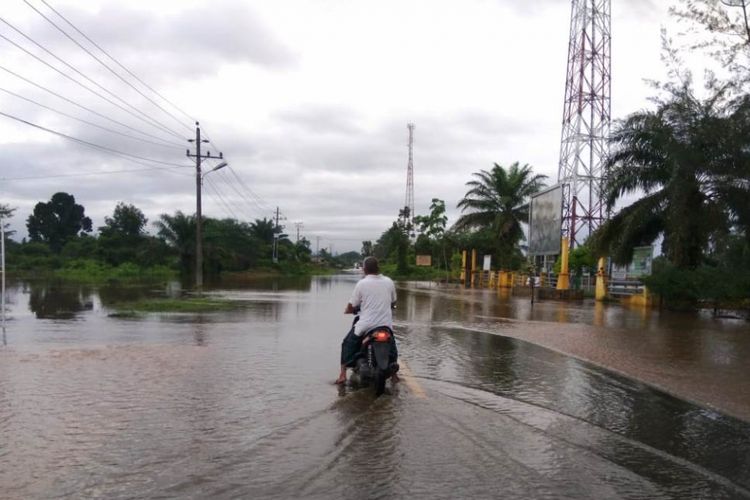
381	336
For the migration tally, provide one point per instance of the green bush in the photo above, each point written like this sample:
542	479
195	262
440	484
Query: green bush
688	288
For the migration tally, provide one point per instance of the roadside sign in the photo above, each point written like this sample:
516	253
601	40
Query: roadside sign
424	260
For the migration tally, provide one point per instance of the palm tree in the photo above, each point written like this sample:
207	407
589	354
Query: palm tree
497	202
690	160
263	229
178	231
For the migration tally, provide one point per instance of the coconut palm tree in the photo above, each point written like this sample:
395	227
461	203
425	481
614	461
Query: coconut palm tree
497	202
690	161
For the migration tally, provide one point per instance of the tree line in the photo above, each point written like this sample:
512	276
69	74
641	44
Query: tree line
60	236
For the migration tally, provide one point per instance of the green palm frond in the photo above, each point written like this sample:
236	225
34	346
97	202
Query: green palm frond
691	158
494	199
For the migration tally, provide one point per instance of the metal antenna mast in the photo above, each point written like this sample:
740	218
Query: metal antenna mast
586	119
407	214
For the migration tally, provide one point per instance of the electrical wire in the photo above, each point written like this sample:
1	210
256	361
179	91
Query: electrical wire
225	205
241	195
231	178
124	68
84	121
140	116
101	172
92	42
99	60
251	197
249	214
59	96
260	202
90	144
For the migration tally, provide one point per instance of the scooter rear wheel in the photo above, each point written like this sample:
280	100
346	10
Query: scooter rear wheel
380	377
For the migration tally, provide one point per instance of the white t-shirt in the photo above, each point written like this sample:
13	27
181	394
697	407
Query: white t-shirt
374	295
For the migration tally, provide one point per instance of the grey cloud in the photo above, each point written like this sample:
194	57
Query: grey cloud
193	42
320	119
347	183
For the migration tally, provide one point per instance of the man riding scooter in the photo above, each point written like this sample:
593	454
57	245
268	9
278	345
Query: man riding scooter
374	297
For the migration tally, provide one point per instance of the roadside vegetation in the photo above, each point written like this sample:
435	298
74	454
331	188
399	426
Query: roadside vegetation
688	160
61	244
493	212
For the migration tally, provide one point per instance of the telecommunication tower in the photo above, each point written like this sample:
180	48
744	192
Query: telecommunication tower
407	214
586	119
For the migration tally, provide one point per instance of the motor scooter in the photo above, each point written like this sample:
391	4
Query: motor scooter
373	363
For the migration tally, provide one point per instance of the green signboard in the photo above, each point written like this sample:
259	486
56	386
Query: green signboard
641	265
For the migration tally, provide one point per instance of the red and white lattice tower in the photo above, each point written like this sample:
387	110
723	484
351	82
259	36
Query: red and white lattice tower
407	213
586	119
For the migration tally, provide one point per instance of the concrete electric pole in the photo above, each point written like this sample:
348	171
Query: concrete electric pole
276	233
198	215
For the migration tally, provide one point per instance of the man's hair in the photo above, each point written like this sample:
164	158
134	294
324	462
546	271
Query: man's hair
371	265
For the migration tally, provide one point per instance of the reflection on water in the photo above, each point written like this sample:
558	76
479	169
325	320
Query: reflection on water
57	301
240	403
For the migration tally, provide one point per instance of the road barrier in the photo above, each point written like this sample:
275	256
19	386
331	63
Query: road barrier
625	288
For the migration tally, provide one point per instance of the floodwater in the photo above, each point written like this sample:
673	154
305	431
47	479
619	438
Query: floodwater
240	404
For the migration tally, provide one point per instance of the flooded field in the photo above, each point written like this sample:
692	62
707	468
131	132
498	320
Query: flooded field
241	403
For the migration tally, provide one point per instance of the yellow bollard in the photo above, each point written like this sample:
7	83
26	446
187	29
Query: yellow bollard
473	268
601	281
598	314
463	267
563	279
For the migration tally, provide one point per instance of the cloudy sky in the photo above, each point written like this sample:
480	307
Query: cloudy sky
307	99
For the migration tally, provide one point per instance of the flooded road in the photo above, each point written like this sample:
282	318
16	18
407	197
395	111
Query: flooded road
240	403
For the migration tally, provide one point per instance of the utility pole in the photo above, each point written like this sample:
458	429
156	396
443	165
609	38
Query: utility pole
299	226
198	215
276	233
317	246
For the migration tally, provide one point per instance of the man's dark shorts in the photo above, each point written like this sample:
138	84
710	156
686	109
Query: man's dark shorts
351	345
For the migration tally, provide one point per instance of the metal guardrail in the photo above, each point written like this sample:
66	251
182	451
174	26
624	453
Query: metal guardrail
625	288
616	287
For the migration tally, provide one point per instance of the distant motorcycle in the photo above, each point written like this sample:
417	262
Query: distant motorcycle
373	363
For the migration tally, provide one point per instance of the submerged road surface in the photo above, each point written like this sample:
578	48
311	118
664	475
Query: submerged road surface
241	404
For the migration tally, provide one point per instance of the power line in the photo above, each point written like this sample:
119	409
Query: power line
251	196
143	116
85	121
126	70
241	195
41	87
225	205
259	202
250	215
90	144
101	172
99	60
